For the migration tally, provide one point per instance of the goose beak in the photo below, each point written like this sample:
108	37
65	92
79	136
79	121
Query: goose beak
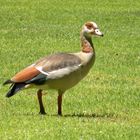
98	32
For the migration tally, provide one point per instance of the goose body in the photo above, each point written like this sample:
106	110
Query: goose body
59	71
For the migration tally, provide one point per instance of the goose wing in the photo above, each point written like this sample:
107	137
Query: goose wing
50	67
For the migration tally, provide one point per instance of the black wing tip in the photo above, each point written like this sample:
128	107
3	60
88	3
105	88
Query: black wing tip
11	91
7	96
14	89
7	82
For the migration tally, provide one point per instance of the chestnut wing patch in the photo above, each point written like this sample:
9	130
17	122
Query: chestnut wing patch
25	74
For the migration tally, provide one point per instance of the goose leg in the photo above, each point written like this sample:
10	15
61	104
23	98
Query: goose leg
59	101
39	95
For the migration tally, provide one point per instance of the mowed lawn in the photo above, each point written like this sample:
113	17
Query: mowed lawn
106	104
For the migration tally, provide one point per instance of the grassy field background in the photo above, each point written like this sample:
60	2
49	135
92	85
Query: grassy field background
106	104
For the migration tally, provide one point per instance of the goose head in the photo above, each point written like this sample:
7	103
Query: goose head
90	29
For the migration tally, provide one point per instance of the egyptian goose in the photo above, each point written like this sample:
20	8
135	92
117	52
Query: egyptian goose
60	71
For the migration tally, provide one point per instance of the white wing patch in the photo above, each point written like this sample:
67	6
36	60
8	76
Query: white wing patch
59	72
62	72
40	69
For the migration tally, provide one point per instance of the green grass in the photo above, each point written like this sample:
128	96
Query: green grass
106	104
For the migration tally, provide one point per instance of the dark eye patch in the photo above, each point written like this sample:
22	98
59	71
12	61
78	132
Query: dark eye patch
89	25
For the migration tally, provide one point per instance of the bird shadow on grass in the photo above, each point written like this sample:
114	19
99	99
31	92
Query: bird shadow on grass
90	115
73	115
